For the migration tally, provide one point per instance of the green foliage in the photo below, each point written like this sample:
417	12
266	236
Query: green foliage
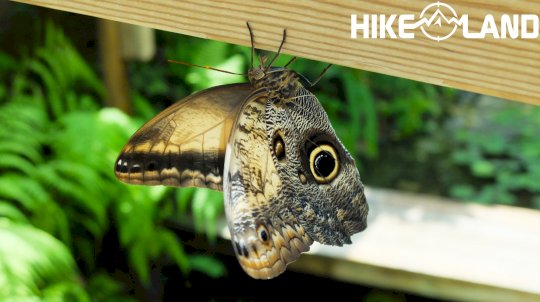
57	151
500	150
102	287
58	77
208	265
35	266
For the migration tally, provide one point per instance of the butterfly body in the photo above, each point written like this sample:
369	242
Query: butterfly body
269	146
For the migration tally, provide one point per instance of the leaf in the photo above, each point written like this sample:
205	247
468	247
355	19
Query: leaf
16	163
12	187
104	288
32	261
142	107
53	94
7	63
16	148
207	265
82	199
483	168
364	118
137	216
206	206
174	248
12	213
54	219
462	191
138	257
184	196
65	291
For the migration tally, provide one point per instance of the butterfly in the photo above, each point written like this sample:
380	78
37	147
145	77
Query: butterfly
269	146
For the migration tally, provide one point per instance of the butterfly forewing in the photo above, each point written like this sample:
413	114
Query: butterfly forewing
185	144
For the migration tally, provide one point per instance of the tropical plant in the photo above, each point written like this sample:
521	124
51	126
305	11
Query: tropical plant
56	153
34	265
500	151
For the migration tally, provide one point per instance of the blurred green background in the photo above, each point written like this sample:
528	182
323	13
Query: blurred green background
69	231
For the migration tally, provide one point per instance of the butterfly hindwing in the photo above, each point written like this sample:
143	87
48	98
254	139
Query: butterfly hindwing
330	209
265	235
185	144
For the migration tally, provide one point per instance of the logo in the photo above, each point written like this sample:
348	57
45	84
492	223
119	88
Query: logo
439	21
438	18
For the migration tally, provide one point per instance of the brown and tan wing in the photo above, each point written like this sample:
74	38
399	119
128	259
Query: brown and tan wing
184	145
265	235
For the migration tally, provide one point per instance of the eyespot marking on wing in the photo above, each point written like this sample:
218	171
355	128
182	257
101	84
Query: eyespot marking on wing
265	259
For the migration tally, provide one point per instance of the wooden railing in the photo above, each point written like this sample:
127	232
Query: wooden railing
321	30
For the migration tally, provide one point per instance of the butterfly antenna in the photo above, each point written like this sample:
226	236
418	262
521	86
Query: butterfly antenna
262	60
205	67
278	51
252	43
253	49
320	75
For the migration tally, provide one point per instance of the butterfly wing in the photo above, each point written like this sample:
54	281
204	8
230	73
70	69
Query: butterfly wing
184	145
266	236
330	209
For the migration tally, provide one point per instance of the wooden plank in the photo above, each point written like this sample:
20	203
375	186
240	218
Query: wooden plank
114	70
321	30
438	248
432	247
410	282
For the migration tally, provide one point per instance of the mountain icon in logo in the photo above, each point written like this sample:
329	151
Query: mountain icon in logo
438	17
447	25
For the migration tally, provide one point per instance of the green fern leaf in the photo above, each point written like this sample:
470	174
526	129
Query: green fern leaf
20	149
138	257
207	205
76	196
11	189
207	265
53	92
31	261
11	212
173	247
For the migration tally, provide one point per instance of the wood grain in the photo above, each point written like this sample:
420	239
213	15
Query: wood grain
320	30
440	248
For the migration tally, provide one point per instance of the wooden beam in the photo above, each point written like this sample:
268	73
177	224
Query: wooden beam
434	286
114	70
321	30
436	247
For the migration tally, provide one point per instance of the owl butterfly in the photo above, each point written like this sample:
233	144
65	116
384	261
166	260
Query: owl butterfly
269	146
